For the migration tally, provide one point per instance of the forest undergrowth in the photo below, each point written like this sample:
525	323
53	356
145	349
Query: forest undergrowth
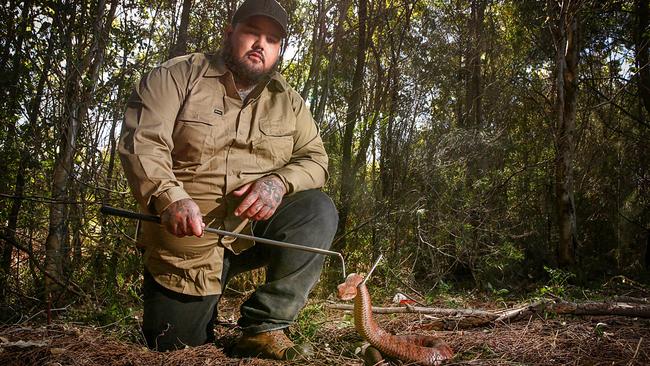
85	334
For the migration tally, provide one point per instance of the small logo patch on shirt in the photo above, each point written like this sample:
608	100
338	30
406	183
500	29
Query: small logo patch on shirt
218	111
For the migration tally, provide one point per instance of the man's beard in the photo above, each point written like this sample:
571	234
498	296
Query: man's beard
243	73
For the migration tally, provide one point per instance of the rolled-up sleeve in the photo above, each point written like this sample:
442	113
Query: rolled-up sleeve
146	140
307	168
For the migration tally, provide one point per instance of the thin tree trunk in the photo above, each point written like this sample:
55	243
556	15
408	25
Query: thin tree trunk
12	224
473	114
351	118
56	237
642	42
11	99
565	116
6	48
390	133
317	43
19	187
180	47
99	256
76	104
338	33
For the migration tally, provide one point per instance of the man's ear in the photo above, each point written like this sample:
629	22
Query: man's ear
226	34
229	30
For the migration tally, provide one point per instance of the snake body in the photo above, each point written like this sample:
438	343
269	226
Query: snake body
425	350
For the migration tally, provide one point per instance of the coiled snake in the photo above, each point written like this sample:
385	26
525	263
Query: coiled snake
425	350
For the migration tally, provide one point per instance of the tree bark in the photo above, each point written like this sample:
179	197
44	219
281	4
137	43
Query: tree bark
319	112
566	78
642	42
473	94
351	118
180	47
317	43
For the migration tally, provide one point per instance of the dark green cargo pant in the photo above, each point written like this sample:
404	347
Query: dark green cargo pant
173	320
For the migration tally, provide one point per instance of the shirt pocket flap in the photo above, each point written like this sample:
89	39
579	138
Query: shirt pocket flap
275	127
199	113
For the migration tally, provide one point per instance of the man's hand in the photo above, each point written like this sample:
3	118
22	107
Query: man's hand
263	197
182	218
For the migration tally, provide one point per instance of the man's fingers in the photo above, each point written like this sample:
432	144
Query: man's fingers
263	214
246	203
183	217
181	228
254	209
242	190
196	226
270	213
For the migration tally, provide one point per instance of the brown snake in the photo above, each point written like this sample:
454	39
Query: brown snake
425	350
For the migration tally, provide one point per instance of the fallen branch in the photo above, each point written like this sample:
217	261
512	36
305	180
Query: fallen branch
599	308
517	313
468	318
419	310
639	300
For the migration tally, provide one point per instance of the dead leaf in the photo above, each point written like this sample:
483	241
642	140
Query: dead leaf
57	351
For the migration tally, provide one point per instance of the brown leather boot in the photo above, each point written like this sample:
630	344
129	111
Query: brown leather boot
272	344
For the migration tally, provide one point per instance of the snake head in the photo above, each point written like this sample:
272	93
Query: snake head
348	289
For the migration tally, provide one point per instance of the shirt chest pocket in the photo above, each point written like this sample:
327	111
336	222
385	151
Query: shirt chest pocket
274	147
193	133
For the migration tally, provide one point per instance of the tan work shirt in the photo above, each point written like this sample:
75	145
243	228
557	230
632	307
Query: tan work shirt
188	134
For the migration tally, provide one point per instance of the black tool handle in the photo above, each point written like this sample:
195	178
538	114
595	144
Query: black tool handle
108	210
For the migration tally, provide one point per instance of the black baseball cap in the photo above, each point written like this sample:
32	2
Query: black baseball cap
268	8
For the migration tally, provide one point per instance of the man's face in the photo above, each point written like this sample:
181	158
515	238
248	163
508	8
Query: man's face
252	48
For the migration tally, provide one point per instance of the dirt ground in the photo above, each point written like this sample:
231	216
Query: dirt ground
566	340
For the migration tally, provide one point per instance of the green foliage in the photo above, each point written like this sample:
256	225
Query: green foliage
122	320
308	322
558	283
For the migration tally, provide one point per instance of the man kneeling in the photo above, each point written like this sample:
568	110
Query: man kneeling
222	140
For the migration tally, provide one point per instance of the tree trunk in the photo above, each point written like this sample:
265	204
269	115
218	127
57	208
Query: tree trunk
76	103
24	163
180	47
12	95
642	41
338	33
473	112
63	168
6	46
351	118
566	58
317	44
99	258
12	224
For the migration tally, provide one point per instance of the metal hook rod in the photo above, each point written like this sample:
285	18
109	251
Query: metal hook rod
372	269
108	210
